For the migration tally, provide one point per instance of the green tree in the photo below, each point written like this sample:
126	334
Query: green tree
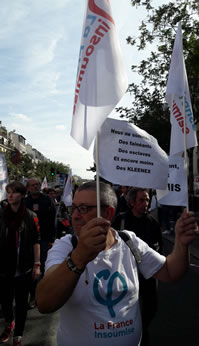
149	110
27	168
24	168
43	169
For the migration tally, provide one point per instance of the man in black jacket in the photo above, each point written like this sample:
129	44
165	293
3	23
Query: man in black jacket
43	206
147	228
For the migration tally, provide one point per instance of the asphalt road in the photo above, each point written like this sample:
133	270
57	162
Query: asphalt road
40	330
177	319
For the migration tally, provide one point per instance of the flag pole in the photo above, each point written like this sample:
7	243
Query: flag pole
185	156
185	149
97	175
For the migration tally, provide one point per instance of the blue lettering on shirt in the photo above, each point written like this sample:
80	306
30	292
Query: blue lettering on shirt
109	302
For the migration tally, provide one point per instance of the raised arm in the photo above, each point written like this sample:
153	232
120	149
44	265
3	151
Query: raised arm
177	262
36	267
59	281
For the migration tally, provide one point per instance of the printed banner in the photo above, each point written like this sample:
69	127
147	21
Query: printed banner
3	177
130	156
176	192
179	101
101	77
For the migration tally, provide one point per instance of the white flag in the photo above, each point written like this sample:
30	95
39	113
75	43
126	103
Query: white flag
130	156
44	184
101	77
3	176
178	98
68	193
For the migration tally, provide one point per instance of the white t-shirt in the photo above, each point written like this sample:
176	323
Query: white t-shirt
105	311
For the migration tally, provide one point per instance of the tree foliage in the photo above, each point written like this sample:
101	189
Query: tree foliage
149	110
27	168
24	168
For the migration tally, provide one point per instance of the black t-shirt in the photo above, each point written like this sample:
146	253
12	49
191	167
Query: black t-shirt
145	227
45	210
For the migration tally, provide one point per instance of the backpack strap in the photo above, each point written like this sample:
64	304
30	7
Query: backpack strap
135	251
125	237
74	241
122	217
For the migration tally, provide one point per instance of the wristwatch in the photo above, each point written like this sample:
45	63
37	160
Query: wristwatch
71	265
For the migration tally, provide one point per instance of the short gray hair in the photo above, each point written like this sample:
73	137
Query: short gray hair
107	194
33	178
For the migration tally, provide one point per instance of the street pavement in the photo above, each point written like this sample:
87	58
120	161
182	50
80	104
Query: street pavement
177	319
194	247
40	329
176	322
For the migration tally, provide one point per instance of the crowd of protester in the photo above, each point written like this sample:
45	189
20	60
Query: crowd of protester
32	219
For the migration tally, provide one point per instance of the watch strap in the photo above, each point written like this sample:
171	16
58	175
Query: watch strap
72	266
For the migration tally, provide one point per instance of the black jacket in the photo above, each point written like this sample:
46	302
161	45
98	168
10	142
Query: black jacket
29	235
148	229
45	210
145	227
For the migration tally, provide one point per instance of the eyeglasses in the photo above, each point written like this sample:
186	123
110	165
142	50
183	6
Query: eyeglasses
83	209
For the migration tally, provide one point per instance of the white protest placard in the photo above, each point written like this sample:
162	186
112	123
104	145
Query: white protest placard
176	192
130	156
3	177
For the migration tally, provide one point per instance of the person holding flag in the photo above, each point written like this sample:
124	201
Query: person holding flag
94	282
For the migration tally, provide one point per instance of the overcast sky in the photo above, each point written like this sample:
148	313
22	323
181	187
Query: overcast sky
39	48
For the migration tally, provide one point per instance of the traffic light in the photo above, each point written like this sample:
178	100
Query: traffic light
52	171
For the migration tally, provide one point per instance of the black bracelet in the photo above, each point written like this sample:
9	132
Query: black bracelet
71	265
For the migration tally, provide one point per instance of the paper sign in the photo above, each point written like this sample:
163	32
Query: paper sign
176	192
130	156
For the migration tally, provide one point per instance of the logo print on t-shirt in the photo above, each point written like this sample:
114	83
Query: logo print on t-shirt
109	302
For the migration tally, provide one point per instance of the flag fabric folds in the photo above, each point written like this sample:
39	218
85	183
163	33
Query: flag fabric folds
178	99
68	194
44	183
101	77
3	177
